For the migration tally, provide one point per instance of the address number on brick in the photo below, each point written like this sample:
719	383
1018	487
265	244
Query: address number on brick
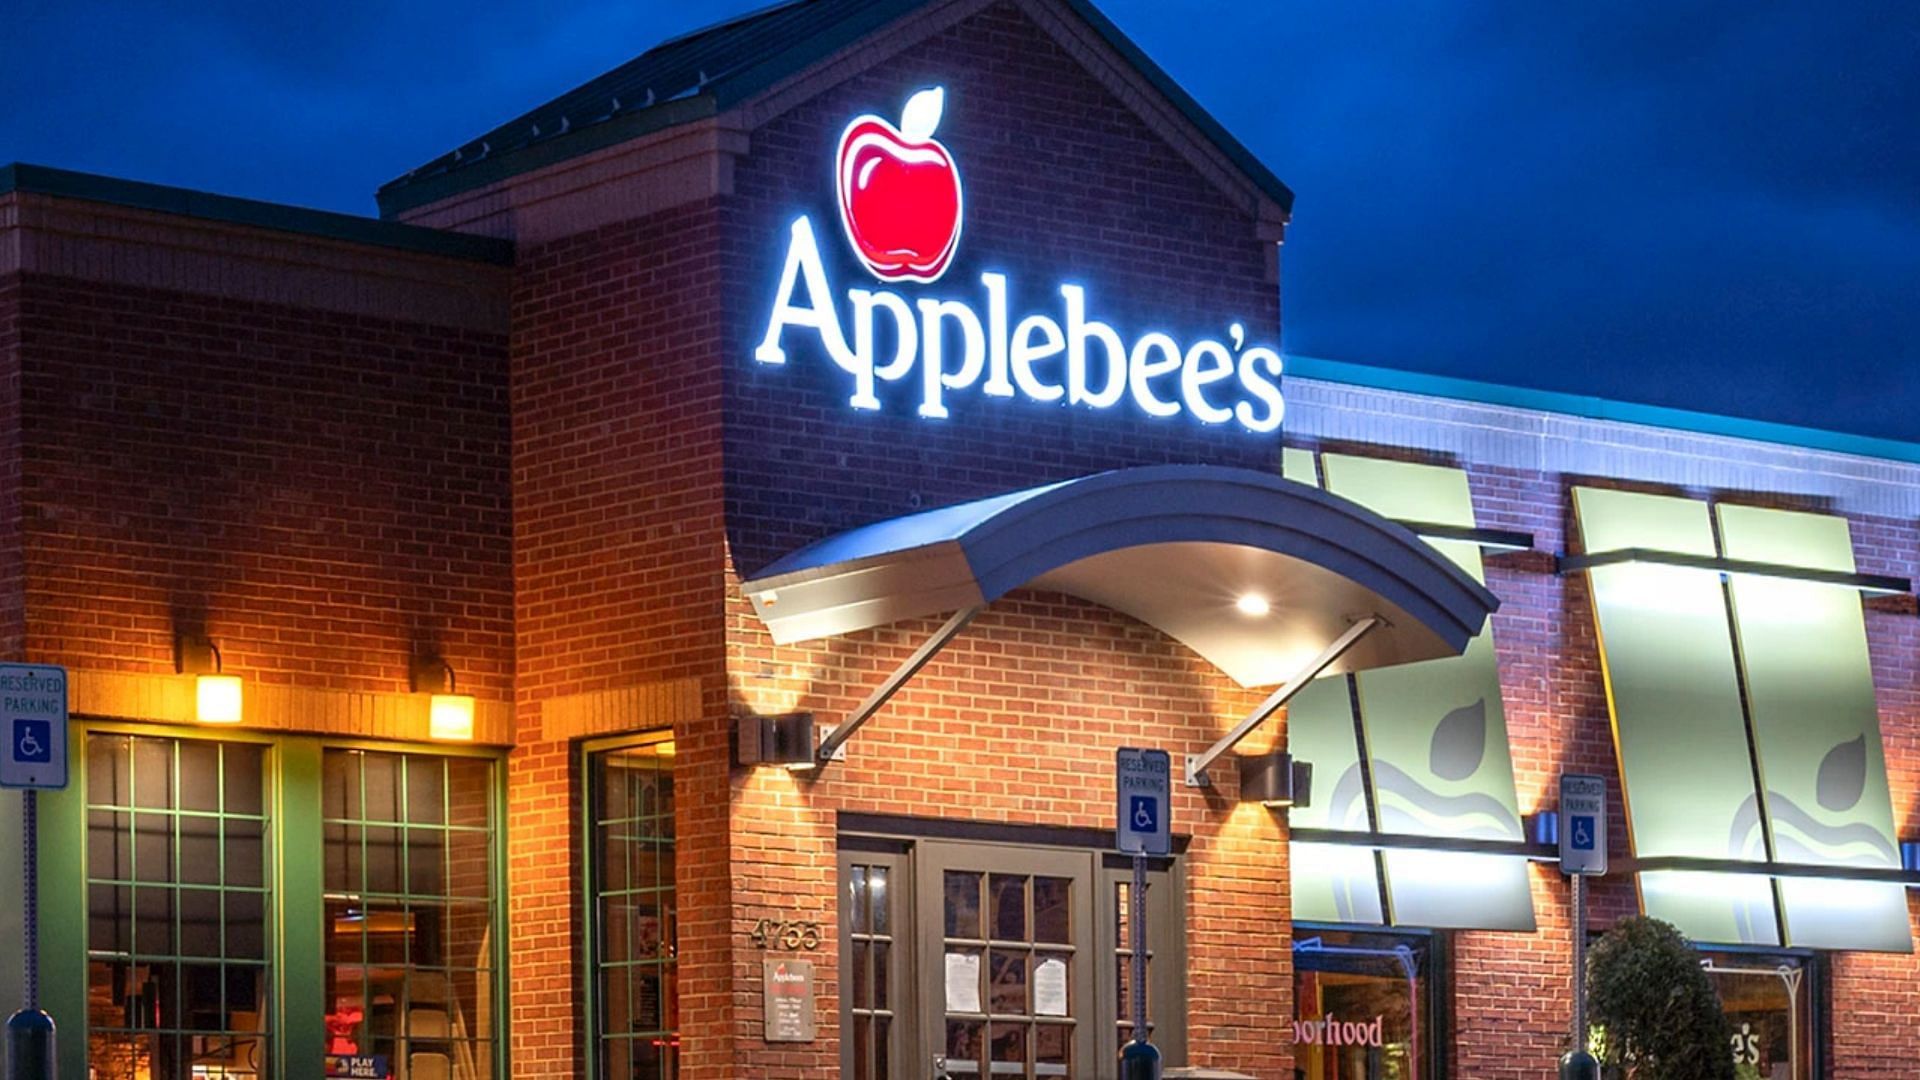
791	936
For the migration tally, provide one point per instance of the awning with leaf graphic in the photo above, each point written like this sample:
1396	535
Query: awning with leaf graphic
1712	684
1433	737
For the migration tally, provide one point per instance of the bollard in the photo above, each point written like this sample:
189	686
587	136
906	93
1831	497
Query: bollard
30	1046
1579	1065
1139	1061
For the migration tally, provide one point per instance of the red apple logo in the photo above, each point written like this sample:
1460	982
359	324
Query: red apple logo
900	192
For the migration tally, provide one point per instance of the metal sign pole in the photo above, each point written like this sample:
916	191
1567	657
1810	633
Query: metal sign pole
1139	1059
30	902
1140	947
30	1053
1579	961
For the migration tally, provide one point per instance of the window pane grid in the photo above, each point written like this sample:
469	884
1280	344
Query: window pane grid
1123	963
177	974
409	911
871	943
1023	945
634	912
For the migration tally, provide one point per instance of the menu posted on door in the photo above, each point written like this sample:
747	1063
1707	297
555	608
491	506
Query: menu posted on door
788	994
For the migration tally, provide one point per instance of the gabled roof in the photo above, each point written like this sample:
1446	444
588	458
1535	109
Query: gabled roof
706	72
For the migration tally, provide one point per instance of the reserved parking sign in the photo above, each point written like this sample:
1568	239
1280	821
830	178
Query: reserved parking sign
33	721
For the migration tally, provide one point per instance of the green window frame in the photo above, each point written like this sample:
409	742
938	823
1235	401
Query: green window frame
291	1029
409	933
631	901
178	907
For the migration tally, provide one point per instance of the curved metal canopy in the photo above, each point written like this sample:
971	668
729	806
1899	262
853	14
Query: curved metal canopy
1175	546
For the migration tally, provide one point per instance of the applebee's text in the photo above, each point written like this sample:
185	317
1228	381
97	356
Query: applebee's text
1071	359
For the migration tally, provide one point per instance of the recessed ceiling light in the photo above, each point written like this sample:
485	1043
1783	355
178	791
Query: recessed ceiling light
1253	604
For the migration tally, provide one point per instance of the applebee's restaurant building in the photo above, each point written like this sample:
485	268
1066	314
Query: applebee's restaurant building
664	601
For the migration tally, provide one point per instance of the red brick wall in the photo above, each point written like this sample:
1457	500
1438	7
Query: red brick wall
323	495
12	578
1512	993
1876	999
1018	720
617	574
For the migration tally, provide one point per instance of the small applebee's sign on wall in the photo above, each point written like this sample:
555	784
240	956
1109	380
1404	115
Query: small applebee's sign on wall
901	208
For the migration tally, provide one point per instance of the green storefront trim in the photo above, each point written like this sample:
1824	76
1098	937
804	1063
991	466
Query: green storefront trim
589	957
297	1016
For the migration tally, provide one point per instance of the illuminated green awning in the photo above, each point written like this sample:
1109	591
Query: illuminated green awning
1435	739
1674	654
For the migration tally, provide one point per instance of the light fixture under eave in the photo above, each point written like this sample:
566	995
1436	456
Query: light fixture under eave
217	697
1275	780
1253	604
449	715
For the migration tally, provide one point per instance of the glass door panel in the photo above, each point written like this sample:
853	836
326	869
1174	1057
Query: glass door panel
1009	951
875	1037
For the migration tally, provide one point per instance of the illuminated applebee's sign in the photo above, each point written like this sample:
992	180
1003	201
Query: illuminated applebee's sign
901	203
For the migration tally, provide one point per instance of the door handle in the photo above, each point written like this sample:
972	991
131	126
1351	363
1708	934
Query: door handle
940	1067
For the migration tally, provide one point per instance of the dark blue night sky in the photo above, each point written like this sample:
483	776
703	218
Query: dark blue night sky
1708	206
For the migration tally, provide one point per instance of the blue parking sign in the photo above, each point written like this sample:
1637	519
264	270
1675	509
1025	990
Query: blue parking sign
1145	814
1583	832
33	741
1143	780
33	725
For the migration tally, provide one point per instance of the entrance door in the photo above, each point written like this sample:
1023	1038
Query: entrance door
1009	957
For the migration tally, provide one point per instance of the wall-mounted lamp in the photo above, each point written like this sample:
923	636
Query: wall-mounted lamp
786	739
449	715
216	697
1274	779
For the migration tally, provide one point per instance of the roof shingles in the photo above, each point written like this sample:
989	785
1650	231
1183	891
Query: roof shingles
699	74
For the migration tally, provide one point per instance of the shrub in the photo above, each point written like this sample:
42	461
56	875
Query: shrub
1659	1016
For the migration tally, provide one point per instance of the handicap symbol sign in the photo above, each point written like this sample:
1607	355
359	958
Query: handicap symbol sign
1583	832
33	741
1146	814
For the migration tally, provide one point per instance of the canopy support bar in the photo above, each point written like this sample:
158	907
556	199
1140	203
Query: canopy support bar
891	685
1197	764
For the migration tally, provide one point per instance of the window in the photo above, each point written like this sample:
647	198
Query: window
409	879
633	940
1769	1002
873	956
177	973
1366	1005
966	959
1166	954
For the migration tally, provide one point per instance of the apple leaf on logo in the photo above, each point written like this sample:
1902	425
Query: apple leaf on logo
922	114
1459	742
1842	778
